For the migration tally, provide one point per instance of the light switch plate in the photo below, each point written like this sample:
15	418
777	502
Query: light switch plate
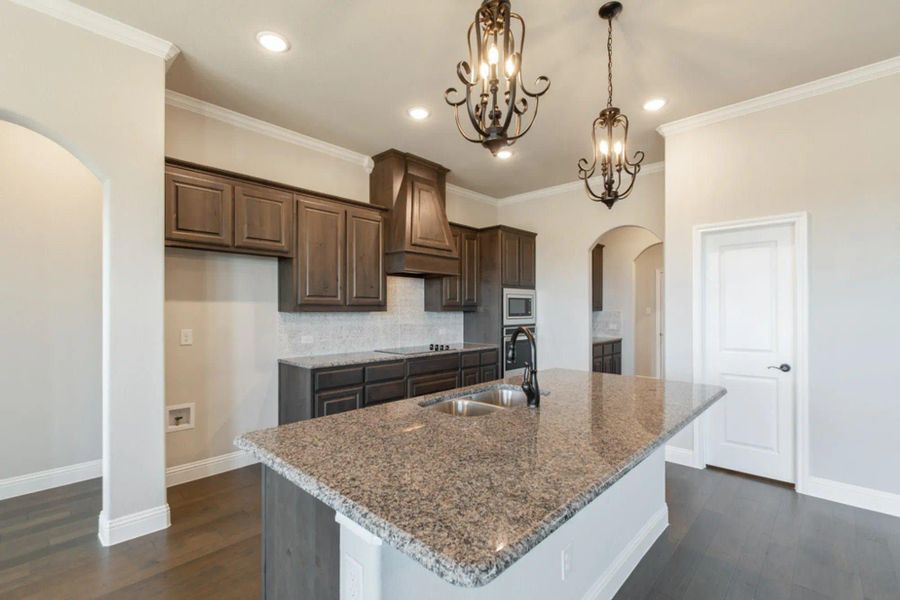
187	337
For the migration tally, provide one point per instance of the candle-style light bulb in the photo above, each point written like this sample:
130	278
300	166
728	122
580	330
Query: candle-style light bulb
617	148
484	70
604	147
493	55
510	66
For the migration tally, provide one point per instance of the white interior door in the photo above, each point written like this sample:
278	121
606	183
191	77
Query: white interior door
660	354
749	312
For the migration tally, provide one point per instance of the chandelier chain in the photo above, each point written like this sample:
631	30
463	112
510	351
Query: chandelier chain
609	64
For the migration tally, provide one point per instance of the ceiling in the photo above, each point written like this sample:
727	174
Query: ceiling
355	66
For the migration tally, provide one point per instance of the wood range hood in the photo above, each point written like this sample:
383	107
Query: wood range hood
418	241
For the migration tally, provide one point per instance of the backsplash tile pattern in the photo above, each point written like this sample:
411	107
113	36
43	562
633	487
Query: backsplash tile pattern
606	322
405	323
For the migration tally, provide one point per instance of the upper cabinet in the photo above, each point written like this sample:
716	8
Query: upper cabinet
517	258
212	211
418	239
597	277
339	264
459	291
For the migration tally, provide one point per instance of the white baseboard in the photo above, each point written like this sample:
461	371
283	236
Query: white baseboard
681	456
51	478
615	575
122	529
852	495
207	467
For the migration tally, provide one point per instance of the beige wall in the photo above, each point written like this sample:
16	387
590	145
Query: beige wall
834	156
230	301
621	247
104	102
568	224
50	263
645	335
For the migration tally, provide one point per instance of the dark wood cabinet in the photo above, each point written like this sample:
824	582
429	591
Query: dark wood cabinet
597	277
199	209
460	291
488	373
607	357
471	376
338	401
263	219
339	262
429	384
517	258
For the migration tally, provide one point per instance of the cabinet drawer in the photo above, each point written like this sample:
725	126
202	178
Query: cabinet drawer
429	384
436	364
333	378
377	393
385	371
338	401
471	376
469	359
489	357
488	373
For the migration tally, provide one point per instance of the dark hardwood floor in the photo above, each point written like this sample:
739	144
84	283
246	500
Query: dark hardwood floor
731	537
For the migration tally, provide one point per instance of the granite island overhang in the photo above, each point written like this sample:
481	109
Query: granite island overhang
440	500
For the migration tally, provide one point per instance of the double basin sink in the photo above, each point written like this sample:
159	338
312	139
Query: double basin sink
481	403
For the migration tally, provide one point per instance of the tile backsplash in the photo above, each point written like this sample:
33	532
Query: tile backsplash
404	323
606	322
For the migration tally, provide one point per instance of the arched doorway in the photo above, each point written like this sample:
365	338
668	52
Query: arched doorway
619	258
51	322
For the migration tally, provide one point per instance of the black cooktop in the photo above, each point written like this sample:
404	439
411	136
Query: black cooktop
406	350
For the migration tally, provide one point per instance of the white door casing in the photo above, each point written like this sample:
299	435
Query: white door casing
748	311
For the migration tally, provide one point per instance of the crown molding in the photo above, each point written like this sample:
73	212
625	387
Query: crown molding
818	87
571	186
471	195
79	16
213	111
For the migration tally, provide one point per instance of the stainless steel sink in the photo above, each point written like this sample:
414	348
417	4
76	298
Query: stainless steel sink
502	397
464	407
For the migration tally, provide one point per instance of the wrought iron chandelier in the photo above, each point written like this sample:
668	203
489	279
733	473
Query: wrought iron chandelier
496	100
609	139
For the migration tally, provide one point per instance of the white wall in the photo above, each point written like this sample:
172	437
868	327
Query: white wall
621	247
50	324
645	335
103	101
835	156
230	301
568	224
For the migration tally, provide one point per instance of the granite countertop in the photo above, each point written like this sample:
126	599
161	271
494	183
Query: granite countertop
605	339
467	497
322	361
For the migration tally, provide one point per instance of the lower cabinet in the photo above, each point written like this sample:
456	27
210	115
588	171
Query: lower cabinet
488	373
471	376
338	401
607	357
429	384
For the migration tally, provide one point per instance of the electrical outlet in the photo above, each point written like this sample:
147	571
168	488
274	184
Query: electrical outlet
566	562
306	339
187	337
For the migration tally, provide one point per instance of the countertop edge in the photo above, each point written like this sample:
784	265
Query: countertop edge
462	574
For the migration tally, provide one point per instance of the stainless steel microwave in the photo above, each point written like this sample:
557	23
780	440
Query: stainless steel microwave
519	307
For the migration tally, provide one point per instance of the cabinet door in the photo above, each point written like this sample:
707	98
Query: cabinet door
263	219
597	277
471	376
510	259
321	243
488	373
338	401
429	384
428	225
452	286
526	261
616	366
469	269
198	209
597	366
365	258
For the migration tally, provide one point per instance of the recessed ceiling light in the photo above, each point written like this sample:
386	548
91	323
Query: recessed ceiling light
273	42
654	104
504	154
418	113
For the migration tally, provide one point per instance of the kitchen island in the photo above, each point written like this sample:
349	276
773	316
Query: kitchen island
405	501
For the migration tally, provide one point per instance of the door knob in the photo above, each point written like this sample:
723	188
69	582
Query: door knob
783	367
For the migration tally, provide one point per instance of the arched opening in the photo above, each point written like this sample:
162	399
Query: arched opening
51	358
622	260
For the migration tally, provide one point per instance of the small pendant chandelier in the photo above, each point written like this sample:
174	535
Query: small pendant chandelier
609	138
495	107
